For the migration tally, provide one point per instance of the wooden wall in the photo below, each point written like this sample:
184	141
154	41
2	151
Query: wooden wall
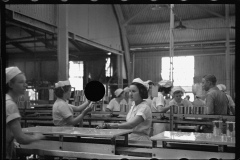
38	70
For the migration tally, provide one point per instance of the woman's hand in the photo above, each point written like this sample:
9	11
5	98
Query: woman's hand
89	108
38	136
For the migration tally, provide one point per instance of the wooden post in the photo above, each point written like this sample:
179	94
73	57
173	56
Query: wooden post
227	54
62	41
171	42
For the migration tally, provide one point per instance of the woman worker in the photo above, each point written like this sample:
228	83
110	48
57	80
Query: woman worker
150	84
159	104
115	103
139	117
62	111
177	100
15	87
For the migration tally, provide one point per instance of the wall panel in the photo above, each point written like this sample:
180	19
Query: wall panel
96	23
44	12
37	70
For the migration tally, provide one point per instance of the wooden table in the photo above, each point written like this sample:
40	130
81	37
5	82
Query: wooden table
194	138
74	138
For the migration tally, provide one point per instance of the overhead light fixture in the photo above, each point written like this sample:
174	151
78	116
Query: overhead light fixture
180	26
109	53
34	0
94	0
64	0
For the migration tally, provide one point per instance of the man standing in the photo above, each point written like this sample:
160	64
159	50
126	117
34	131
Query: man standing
216	100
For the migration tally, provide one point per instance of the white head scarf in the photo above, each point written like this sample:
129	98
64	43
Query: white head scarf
11	72
138	80
62	83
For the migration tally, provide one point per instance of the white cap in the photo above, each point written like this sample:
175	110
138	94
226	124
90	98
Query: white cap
138	80
62	83
165	83
177	88
118	92
11	72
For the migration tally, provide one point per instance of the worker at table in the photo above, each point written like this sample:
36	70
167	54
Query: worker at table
216	101
15	87
159	104
177	93
150	85
231	104
62	111
139	117
115	103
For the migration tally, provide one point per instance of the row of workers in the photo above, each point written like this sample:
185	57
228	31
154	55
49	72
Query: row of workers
139	117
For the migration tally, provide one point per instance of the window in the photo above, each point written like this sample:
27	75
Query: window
108	68
183	72
76	74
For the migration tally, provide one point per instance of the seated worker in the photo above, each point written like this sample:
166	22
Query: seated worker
159	104
15	87
139	117
231	103
177	93
115	103
149	84
62	111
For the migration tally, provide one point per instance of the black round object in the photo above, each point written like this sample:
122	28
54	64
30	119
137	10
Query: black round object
94	91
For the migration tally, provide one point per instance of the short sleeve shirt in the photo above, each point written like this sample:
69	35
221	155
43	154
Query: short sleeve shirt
61	111
156	102
114	105
141	110
216	101
184	103
12	113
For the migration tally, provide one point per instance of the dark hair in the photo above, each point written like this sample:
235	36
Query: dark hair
166	90
150	83
61	90
12	81
211	78
142	90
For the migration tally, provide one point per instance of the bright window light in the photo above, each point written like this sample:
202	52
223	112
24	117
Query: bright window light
76	74
108	68
183	72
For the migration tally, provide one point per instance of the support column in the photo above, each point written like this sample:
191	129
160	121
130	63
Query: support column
171	42
227	53
125	42
62	41
119	69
